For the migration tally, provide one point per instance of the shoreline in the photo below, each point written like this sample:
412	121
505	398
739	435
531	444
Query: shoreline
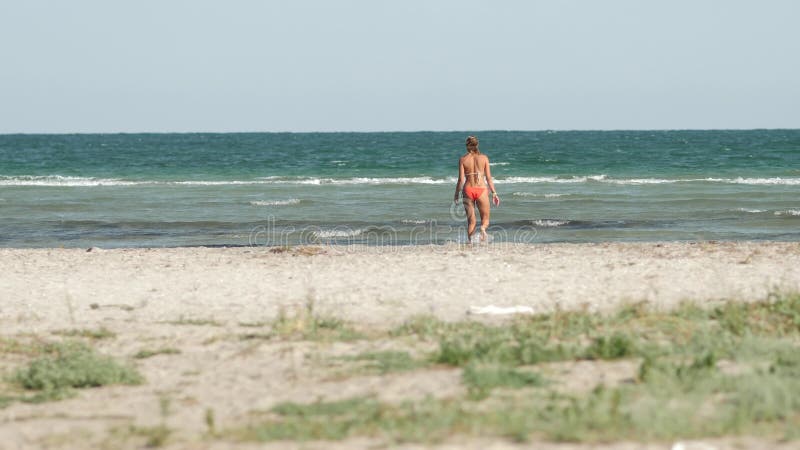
359	246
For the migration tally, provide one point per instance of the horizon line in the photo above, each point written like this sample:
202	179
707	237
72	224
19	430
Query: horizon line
55	133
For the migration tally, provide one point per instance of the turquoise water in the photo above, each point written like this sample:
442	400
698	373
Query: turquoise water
119	190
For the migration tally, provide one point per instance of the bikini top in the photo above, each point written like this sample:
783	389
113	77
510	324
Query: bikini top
473	173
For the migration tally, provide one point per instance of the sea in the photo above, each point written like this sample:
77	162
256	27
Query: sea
395	188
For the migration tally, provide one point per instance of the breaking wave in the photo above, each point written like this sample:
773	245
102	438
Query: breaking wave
326	234
750	210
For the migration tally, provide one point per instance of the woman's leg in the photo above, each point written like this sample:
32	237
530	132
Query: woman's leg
469	207
485	209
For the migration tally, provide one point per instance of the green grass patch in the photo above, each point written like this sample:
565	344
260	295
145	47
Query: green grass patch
616	346
516	344
72	365
148	353
632	331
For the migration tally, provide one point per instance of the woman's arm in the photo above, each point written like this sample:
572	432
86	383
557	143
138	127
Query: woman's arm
460	180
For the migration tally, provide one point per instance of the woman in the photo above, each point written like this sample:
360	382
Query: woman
472	168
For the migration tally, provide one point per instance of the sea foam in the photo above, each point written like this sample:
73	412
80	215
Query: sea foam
324	234
549	222
58	180
291	201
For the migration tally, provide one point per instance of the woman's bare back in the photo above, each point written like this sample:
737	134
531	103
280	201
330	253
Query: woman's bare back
474	169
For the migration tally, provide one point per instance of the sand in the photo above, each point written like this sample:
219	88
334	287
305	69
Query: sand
195	299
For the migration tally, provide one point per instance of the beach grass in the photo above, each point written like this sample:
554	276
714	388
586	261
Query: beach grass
307	324
728	369
67	366
692	372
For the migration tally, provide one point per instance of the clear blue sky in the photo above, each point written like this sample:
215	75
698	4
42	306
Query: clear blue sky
347	65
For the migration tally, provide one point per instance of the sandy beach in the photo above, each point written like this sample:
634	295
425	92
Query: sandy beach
199	302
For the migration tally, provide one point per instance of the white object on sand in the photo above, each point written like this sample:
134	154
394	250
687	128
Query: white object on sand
499	310
692	446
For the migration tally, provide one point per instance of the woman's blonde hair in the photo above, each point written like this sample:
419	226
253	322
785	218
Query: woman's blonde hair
472	144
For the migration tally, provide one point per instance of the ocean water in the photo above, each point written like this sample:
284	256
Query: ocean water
135	190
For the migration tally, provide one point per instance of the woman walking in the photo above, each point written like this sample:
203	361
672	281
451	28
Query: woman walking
474	174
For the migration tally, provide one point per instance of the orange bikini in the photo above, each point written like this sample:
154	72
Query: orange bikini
473	192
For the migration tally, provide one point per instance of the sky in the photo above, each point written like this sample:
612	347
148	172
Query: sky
367	65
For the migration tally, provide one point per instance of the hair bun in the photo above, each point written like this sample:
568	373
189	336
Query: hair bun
472	143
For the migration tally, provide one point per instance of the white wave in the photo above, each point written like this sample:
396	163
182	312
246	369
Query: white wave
358	180
291	201
499	164
205	183
575	179
512	180
399	180
58	180
323	234
549	222
749	210
788	212
757	181
531	194
414	221
300	181
635	181
65	181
